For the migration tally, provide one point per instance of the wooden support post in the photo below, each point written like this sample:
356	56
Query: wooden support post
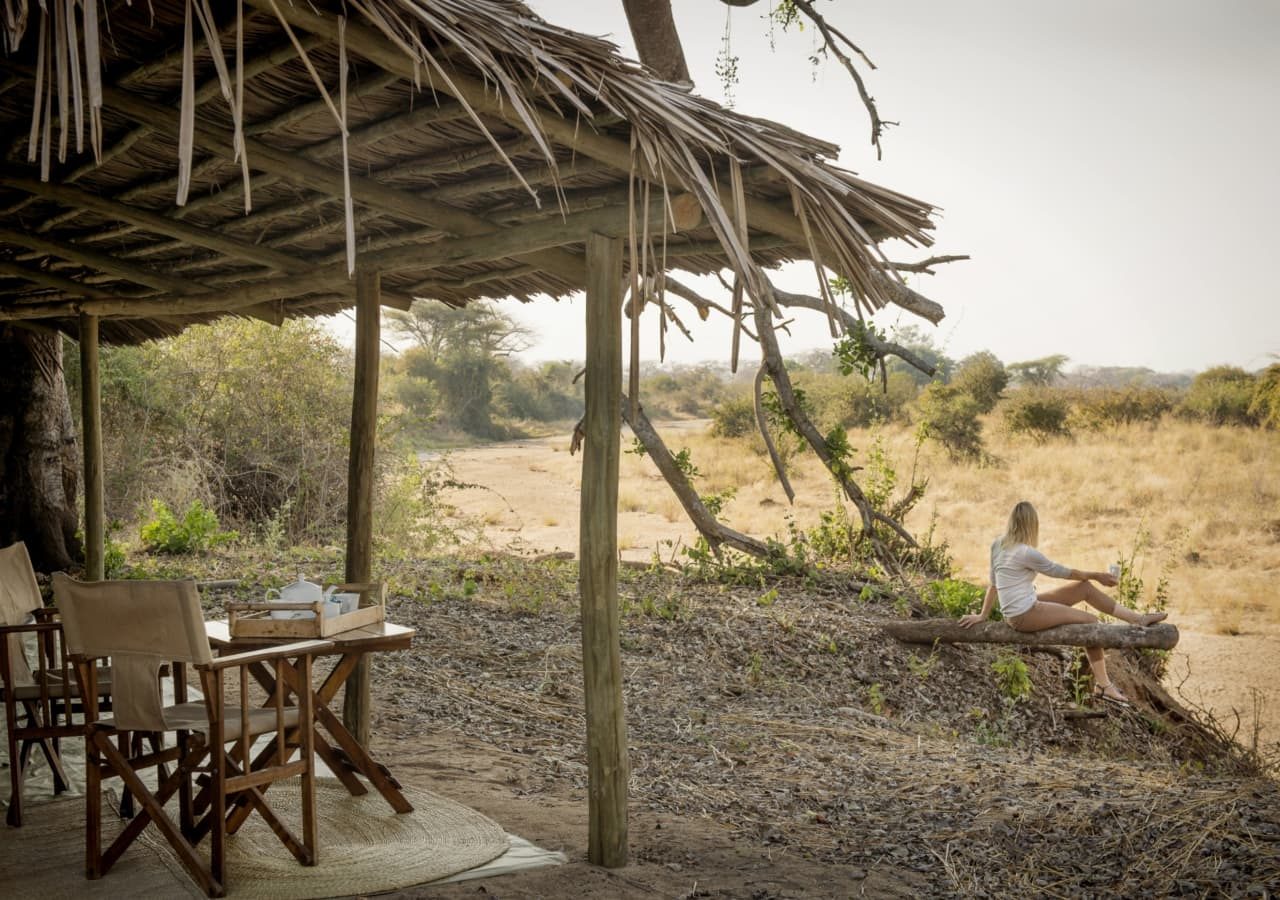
360	488
607	765
91	416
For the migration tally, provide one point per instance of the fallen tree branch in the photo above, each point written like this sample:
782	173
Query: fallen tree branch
949	631
715	532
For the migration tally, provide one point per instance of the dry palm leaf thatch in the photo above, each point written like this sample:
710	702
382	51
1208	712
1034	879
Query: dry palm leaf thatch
312	119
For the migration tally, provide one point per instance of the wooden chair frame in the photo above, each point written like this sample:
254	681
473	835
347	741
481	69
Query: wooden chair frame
152	627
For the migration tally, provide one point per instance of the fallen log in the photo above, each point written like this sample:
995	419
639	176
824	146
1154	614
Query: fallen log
948	631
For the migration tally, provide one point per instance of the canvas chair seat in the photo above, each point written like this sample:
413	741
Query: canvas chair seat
195	717
32	688
149	628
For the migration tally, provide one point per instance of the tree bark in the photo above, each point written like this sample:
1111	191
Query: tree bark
708	525
38	453
654	30
925	631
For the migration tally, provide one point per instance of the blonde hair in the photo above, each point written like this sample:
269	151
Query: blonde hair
1023	527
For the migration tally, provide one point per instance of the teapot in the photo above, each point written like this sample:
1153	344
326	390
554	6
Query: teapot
302	591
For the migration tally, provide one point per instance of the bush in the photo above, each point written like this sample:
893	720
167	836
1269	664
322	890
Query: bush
1264	406
983	377
733	417
1039	413
195	532
954	598
950	417
1098	408
1220	396
1012	676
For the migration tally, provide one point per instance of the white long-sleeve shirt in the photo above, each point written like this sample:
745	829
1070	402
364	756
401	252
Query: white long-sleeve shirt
1013	572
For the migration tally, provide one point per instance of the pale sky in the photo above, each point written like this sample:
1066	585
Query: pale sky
1110	165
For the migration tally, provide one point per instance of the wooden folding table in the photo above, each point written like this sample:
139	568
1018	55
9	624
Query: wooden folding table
334	744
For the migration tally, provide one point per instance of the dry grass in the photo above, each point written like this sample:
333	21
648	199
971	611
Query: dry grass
1209	499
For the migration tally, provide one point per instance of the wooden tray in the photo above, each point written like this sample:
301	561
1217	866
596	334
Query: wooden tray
253	619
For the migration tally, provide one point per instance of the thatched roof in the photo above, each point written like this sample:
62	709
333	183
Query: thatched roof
484	144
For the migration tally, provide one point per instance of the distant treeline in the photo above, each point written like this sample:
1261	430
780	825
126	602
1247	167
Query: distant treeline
251	420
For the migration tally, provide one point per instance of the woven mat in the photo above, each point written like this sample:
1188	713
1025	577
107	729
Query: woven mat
365	847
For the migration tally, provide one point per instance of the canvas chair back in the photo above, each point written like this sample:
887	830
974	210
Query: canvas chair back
19	595
141	625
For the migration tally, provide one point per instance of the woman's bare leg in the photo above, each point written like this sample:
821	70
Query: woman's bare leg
1048	614
1086	591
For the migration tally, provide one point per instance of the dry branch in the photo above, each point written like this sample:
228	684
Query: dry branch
948	631
708	526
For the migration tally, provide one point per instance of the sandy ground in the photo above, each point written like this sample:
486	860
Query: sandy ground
537	512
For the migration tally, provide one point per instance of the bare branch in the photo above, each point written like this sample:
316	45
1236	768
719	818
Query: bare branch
848	321
925	266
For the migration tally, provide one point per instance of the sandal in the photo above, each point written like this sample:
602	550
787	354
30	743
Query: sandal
1115	699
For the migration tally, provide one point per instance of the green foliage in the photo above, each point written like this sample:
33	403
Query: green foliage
856	352
922	667
1040	413
875	699
983	377
733	417
410	518
952	597
950	416
1222	395
113	553
1012	676
1102	407
1264	405
683	391
1131	592
195	532
1038	372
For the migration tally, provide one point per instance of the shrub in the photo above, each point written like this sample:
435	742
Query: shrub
735	416
950	416
1220	396
196	531
1041	414
1012	676
983	377
1098	408
954	598
1264	405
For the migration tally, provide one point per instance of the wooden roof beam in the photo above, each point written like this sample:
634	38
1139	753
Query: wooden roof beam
102	262
47	279
317	177
525	242
568	132
154	222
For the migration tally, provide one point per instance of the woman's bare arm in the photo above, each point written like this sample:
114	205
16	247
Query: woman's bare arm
988	604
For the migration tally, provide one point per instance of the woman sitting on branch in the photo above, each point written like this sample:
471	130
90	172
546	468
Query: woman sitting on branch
1015	561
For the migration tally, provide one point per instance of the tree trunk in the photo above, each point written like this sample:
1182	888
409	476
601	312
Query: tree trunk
948	631
654	30
38	454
